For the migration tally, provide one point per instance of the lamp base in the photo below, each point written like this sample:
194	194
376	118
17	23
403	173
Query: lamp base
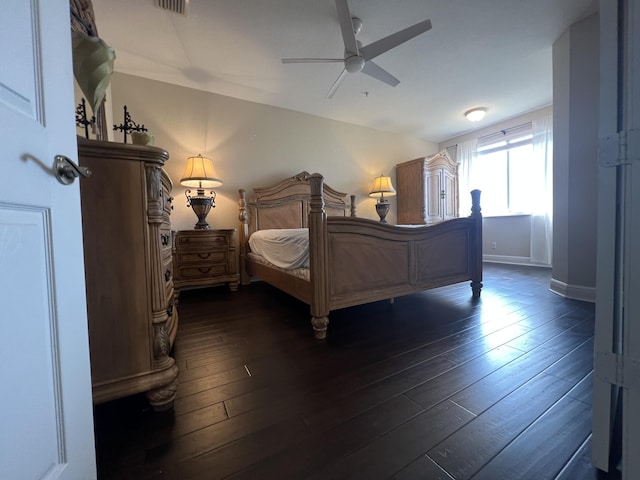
382	208
202	225
201	206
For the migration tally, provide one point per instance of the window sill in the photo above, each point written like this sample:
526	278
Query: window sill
505	215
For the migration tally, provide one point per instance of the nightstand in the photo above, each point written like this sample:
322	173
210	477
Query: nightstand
202	258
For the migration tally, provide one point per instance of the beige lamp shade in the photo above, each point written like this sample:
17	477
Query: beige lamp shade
382	187
200	173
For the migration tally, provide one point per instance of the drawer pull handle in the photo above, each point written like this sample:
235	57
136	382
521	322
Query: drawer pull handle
167	275
164	237
204	255
204	270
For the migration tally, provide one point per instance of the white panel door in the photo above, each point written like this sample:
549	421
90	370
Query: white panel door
631	327
617	334
608	288
46	419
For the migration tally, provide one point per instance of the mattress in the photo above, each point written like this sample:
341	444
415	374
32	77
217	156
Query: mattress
302	273
286	248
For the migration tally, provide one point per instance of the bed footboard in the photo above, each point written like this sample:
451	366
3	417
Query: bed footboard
354	260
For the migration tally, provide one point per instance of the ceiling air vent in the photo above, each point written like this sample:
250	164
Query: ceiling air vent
175	6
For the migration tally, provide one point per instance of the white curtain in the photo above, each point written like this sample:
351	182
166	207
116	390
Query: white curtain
542	216
466	159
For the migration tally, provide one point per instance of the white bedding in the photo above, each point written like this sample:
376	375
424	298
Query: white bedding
285	248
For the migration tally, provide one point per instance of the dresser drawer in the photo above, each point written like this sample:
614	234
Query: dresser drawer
169	295
167	204
167	272
165	240
167	199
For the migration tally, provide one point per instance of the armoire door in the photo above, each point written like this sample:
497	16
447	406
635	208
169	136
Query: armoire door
450	200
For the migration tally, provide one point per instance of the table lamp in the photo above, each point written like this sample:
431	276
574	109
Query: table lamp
382	189
200	174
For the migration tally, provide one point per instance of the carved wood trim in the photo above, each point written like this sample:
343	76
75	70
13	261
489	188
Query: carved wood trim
318	258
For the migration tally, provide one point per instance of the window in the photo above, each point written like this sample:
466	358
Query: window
504	170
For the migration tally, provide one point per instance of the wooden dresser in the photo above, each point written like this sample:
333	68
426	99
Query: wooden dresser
126	205
427	190
204	258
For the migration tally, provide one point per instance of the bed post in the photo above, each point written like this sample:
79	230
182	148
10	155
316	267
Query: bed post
353	206
318	257
476	255
243	236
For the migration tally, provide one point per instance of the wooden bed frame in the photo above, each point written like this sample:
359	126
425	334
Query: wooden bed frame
355	260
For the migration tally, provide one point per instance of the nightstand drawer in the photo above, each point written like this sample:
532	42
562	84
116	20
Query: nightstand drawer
197	241
204	257
202	272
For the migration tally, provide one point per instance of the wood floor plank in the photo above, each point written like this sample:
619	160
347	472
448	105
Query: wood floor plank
305	457
438	389
545	447
393	387
233	457
580	468
467	450
498	384
425	468
214	379
212	437
388	454
374	394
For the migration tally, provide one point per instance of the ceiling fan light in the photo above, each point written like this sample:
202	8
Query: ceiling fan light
475	114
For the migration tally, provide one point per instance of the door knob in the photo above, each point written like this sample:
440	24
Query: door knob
67	171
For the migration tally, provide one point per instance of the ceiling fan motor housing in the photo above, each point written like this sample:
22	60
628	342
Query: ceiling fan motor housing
354	64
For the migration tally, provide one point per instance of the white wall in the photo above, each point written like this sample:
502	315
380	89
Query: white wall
575	159
254	145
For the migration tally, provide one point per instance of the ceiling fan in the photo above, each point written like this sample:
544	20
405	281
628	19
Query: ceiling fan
358	58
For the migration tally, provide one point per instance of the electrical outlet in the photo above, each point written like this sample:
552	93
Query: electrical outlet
493	245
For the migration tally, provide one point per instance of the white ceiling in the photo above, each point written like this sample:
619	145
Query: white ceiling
491	53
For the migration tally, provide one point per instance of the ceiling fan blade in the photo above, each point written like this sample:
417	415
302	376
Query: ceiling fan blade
377	72
312	60
346	25
387	43
337	83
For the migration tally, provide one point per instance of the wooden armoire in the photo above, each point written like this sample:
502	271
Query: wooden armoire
427	190
126	205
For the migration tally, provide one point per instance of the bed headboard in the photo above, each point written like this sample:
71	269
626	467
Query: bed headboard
286	204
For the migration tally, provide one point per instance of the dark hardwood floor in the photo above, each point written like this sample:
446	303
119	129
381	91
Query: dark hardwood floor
433	386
